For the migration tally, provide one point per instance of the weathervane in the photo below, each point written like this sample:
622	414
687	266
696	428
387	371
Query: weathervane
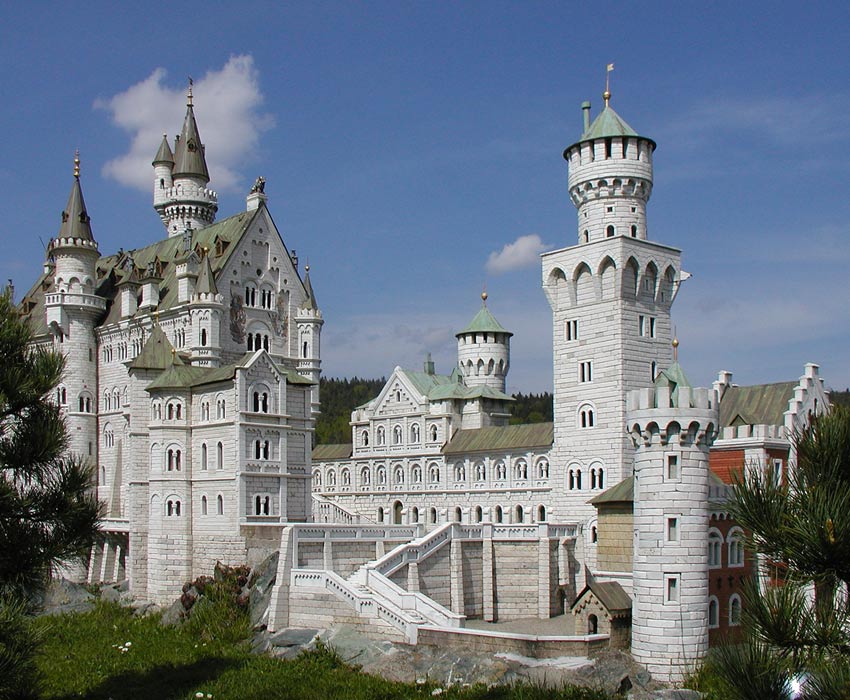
607	94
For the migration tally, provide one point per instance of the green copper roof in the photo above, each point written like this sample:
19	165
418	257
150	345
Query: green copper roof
326	453
624	492
189	151
76	223
206	280
484	322
157	353
509	437
761	404
310	303
164	154
608	123
460	391
672	378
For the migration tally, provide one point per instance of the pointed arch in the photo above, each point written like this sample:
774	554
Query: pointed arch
583	282
630	277
607	278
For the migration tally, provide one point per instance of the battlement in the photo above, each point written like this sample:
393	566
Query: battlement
187	192
59	243
688	415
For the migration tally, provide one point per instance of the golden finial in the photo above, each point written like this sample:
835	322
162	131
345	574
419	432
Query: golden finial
484	297
189	93
306	268
607	94
156	316
675	345
77	163
173	353
206	250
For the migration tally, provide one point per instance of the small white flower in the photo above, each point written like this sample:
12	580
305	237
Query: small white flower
421	681
199	694
128	644
437	691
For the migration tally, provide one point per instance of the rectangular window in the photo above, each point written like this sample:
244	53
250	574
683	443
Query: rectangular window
672	529
585	371
671	588
672	467
571	330
641	326
777	471
651	327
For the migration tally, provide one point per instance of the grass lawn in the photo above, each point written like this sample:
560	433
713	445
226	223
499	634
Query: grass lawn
109	653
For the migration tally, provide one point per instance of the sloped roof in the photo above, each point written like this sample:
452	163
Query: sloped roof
189	150
327	453
483	322
672	378
610	593
164	154
310	302
508	437
761	404
608	123
624	492
206	280
76	223
157	352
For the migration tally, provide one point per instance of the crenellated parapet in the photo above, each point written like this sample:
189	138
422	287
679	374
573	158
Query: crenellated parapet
683	416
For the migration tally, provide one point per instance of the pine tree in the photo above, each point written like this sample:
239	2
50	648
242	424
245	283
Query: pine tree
797	628
48	513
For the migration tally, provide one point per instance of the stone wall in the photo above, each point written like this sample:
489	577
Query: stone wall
516	566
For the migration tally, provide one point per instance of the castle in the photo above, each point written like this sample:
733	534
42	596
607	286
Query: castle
192	384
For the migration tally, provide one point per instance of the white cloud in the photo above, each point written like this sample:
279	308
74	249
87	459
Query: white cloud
230	122
523	252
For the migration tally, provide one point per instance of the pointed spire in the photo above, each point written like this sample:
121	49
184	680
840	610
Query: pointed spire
206	280
76	222
164	154
310	303
189	160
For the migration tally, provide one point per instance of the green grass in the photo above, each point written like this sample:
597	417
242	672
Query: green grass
82	658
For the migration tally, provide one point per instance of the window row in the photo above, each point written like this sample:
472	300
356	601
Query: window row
595	479
173	410
219	456
517	514
734	545
733	611
610	231
397	432
259	298
220	409
173	506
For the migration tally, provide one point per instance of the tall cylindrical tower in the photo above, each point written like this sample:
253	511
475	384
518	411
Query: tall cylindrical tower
484	350
672	426
610	178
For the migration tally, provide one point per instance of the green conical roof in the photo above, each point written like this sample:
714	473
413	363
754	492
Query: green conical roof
310	303
76	223
189	151
206	280
608	123
164	154
672	378
484	322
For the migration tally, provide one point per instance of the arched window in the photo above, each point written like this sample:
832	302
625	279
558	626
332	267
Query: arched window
220	408
480	472
346	477
543	468
204	455
734	610
586	417
262	504
432	516
179	410
381	438
586	236
396	435
205	411
219	457
592	624
479	514
715	547
414	433
416	474
735	538
634	231
460	472
317	479
364	436
609	231
518	514
331	481
458	514
713	613
541	513
434	474
169	412
433	433
380	515
501	471
398	475
203	337
594	534
499	516
414	515
521	470
172	508
365	476
382	476
203	505
220	504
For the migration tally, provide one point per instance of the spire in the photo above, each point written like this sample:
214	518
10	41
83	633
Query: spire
189	160
206	280
310	303
164	154
76	222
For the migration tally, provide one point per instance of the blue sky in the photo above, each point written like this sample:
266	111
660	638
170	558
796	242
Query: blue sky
405	144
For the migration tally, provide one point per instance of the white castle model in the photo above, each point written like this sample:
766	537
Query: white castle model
192	385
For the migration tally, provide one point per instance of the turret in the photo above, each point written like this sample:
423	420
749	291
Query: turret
309	322
71	312
672	426
484	350
206	309
181	196
610	177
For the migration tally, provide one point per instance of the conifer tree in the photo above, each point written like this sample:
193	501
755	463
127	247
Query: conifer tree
797	629
48	513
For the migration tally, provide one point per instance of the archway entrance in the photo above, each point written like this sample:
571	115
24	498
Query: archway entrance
397	513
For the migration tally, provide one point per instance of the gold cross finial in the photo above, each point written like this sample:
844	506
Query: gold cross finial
607	94
77	163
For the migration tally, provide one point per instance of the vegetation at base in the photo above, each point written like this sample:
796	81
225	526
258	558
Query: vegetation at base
800	528
48	514
341	396
110	653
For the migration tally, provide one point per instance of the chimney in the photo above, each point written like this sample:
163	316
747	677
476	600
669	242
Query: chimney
429	364
585	110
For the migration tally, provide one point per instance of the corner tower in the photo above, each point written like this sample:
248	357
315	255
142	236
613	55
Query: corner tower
72	309
181	196
484	350
610	296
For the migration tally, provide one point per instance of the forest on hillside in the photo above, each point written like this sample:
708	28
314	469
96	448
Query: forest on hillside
341	396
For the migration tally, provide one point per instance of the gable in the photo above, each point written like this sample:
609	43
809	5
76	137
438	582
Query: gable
398	397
